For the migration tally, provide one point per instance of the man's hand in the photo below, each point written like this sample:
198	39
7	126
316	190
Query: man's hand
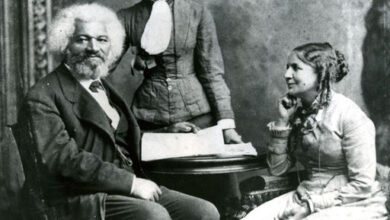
183	127
146	189
231	136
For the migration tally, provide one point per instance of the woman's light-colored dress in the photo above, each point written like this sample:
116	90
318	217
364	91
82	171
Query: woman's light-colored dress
339	156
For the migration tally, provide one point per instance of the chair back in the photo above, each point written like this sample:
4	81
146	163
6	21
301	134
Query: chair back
33	202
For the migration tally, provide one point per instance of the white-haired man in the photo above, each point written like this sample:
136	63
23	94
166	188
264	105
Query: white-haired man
84	134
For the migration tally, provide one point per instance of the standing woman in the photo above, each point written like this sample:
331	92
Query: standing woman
330	136
177	51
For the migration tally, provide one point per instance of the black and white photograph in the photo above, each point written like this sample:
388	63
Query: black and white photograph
194	109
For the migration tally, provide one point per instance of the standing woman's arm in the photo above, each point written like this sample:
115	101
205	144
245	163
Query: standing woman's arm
209	67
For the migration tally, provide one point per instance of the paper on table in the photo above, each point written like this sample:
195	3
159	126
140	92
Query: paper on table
239	149
208	141
169	145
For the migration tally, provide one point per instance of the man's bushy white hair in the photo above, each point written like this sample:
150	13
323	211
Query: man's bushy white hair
63	26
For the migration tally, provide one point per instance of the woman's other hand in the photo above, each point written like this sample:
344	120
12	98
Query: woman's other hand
183	127
287	106
295	212
231	136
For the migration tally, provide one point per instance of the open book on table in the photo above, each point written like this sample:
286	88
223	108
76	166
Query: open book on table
209	141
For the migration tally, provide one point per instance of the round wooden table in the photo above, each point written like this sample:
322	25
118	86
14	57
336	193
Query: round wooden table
209	177
202	165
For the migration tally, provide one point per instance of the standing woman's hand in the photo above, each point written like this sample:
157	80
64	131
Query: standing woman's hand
183	127
231	136
287	107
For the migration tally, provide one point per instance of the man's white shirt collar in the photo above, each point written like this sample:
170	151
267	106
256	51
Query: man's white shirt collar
102	99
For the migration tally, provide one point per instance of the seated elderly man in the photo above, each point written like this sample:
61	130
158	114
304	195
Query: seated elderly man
85	134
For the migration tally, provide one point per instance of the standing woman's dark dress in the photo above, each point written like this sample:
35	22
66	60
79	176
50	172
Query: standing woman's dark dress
185	82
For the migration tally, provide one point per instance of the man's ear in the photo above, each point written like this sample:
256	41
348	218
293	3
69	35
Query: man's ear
60	56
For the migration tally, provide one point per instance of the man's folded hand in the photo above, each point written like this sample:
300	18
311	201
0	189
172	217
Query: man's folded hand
146	189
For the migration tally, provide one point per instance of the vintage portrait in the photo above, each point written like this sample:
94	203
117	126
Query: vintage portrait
194	109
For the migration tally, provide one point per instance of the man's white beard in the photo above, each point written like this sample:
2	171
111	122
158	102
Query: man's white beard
90	70
87	67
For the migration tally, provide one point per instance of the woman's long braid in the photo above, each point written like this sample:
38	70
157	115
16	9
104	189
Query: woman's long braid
324	84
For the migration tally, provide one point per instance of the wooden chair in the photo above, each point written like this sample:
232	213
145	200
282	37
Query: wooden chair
260	189
276	186
33	199
11	177
383	176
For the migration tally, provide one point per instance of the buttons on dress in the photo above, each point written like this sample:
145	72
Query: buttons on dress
169	81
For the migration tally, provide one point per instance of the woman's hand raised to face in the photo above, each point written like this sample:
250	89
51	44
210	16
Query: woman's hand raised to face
287	105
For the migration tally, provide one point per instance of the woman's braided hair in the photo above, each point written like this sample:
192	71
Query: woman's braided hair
328	63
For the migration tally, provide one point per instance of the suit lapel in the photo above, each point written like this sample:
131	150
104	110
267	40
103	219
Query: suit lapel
133	125
135	135
87	109
182	20
85	106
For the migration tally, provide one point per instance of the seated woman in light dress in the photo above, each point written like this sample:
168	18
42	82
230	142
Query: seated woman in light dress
330	136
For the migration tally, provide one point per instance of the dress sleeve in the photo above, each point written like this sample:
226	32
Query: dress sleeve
61	155
358	146
209	67
278	159
359	149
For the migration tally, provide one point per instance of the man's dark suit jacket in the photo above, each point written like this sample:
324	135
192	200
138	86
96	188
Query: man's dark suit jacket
75	142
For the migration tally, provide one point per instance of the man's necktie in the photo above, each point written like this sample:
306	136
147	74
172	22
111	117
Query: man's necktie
157	32
95	85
